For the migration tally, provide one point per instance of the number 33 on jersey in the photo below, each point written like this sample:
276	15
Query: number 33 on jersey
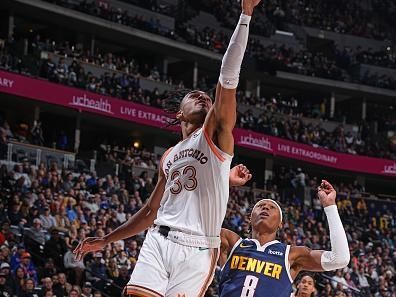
197	182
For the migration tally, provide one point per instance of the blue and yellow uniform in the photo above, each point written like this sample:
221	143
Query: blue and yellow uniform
253	270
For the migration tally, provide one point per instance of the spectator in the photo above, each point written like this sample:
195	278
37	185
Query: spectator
86	290
76	268
27	265
47	219
6	270
299	180
35	235
16	257
28	289
49	269
46	285
62	287
122	279
97	271
5	290
55	248
338	279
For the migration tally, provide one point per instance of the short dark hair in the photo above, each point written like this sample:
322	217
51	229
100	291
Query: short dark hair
171	104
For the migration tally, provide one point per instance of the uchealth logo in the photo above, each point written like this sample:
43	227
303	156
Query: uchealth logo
259	142
101	104
390	169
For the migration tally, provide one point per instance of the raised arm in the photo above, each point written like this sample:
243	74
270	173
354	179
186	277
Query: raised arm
303	258
139	222
222	117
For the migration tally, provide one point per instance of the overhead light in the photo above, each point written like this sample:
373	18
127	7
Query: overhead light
136	144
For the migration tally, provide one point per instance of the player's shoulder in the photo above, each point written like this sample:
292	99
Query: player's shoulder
247	242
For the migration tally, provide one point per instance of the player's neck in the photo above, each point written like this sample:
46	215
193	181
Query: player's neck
189	128
263	238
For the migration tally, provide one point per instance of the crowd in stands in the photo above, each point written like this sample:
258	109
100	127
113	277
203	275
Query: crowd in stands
122	80
106	11
45	211
274	57
343	17
352	17
280	118
155	5
271	58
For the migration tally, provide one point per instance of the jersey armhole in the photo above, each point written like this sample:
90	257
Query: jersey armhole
163	158
222	156
287	264
232	251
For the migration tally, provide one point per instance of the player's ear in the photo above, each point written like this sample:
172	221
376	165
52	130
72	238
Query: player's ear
180	116
280	225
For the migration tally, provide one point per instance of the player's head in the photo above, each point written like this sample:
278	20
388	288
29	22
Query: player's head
194	107
188	106
266	216
306	286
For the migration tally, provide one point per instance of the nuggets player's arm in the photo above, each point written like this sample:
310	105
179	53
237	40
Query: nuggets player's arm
221	119
228	240
145	217
303	258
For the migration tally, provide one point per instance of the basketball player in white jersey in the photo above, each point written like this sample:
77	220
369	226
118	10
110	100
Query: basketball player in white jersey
189	202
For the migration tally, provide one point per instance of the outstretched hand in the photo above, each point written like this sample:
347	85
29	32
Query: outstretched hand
88	245
249	5
239	175
326	194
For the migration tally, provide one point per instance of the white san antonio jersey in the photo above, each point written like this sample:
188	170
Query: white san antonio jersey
197	186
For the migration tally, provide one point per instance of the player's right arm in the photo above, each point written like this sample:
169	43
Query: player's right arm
139	222
221	118
228	240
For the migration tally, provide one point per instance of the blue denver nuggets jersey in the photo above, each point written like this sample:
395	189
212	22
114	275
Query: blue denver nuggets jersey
253	270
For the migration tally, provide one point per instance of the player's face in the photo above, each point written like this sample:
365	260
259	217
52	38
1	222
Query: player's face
195	106
306	286
265	217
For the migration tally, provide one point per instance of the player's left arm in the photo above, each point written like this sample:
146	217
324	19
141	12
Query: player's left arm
303	258
228	240
222	117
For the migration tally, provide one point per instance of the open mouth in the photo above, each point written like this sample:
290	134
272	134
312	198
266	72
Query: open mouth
264	214
203	104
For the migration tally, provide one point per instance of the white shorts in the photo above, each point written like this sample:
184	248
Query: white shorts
166	268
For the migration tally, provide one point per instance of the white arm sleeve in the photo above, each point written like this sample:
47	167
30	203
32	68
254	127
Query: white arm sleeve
232	60
339	256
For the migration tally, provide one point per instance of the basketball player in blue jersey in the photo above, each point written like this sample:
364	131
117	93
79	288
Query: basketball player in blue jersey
186	209
265	267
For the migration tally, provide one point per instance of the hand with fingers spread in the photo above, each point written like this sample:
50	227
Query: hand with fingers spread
88	245
327	194
239	175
